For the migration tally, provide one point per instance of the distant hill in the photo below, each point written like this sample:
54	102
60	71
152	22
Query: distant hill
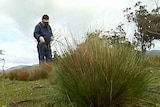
22	67
153	53
1	70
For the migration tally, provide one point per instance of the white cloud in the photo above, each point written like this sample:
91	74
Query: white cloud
6	20
70	4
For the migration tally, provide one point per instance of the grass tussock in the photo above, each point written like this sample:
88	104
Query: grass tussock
34	74
99	75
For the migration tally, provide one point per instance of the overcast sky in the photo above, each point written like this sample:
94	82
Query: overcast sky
74	17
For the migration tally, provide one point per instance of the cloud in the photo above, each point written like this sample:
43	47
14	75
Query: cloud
77	15
72	13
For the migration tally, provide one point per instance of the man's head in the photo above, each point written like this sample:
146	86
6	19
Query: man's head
45	20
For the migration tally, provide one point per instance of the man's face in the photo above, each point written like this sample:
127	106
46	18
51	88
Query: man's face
45	22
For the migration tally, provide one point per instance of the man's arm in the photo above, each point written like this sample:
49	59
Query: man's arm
50	29
37	32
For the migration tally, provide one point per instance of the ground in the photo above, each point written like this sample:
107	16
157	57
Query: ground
33	93
41	93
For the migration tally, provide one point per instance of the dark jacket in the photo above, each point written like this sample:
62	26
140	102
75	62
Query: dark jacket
45	31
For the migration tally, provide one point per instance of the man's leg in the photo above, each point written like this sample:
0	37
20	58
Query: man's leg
49	55
41	53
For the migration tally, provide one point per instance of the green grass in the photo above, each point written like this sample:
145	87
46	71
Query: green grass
34	93
11	90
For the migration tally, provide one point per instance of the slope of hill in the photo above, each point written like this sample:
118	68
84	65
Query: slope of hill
153	53
23	67
29	67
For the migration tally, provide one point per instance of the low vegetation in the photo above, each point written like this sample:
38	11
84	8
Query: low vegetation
34	74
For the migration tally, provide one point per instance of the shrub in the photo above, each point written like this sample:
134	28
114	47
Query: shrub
13	75
22	75
99	75
41	72
34	74
153	61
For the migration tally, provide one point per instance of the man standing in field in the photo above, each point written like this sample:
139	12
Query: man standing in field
43	35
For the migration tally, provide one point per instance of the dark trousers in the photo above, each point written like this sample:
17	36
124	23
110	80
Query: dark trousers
44	53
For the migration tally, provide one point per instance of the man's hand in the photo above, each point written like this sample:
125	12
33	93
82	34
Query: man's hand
52	38
41	39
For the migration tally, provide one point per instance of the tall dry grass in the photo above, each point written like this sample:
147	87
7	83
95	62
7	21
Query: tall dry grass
34	74
99	75
153	61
